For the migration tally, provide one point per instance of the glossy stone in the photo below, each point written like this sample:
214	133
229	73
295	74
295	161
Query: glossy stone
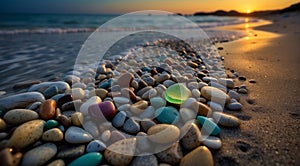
47	109
106	109
51	124
212	142
199	155
77	135
39	155
192	137
226	119
208	126
172	155
20	116
53	135
95	146
167	115
91	159
215	95
177	93
119	119
131	126
163	133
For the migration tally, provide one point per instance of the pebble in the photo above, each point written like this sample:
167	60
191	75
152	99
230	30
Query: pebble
128	93
92	128
144	90
106	109
208	126
242	78
51	91
34	106
116	136
235	106
149	160
121	153
196	93
77	93
243	91
53	135
77	135
19	116
167	115
187	114
70	151
77	119
91	159
51	124
20	100
163	133
131	126
168	83
227	82
138	107
39	155
58	162
252	81
226	119
71	79
177	93
105	136
215	107
64	99
147	123
188	103
100	92
192	137
149	80
47	109
200	108
199	155
234	95
64	120
163	77
119	119
192	64
148	113
157	102
6	157
95	146
212	142
209	79
3	125
215	95
149	94
61	86
125	80
172	155
26	134
121	100
91	101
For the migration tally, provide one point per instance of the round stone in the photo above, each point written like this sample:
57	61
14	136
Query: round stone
119	119
167	115
105	136
39	155
215	107
106	109
53	135
215	95
172	155
177	93
163	133
48	109
51	91
77	119
91	159
235	106
201	108
212	142
95	146
226	120
208	126
192	138
51	124
199	155
157	102
138	107
58	162
234	95
20	116
131	126
77	135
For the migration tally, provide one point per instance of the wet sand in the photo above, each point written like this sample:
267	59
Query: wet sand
269	134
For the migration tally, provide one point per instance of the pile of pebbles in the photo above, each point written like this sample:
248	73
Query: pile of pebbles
162	108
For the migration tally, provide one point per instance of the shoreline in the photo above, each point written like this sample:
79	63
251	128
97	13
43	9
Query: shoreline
269	54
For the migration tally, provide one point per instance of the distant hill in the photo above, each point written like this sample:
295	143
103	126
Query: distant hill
292	8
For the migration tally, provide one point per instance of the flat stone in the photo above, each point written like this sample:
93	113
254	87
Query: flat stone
226	119
149	160
167	115
95	146
119	119
208	126
121	153
235	106
20	100
157	102
62	86
215	107
53	135
199	155
70	151
125	80
215	95
20	116
51	91
192	137
48	109
172	155
162	77
26	134
39	155
227	82
212	142
91	159
77	135
234	95
163	133
131	126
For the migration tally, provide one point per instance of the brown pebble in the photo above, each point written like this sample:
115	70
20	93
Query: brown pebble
48	109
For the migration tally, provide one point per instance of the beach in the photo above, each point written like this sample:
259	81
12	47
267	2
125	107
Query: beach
270	55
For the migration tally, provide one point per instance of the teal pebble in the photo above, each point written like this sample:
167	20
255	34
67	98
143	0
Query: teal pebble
51	91
167	115
105	84
51	124
146	69
210	127
91	159
157	102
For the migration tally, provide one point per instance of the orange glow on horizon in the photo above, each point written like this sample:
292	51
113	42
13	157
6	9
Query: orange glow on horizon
249	11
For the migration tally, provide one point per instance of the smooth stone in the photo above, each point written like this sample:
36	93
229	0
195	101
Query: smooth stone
92	128
144	90
125	80
64	99
51	124
26	134
19	116
226	119
162	77
3	125
163	133
188	103
20	100
53	135
116	136
215	95
34	106
149	80
234	95
212	142
177	93
235	106
149	112
6	157
200	108
209	79
149	160
70	151
104	109
51	91
215	106
102	93
91	159
105	136
157	102
131	126
77	93
121	153
48	109
58	162
77	135
101	69
119	119
121	100
243	91
199	155
167	115
192	138
138	107
172	155
77	119
26	84
147	123
208	126
71	79
64	120
143	143
168	83
128	93
39	155
227	82
95	146
196	93
79	85
149	94
91	101
187	114
218	86
62	86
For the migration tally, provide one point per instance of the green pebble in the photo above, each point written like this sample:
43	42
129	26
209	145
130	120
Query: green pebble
51	124
91	159
209	126
177	93
167	115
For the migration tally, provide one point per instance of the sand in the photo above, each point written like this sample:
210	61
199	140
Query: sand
269	134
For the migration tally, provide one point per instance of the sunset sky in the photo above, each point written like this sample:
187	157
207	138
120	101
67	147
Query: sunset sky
123	6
